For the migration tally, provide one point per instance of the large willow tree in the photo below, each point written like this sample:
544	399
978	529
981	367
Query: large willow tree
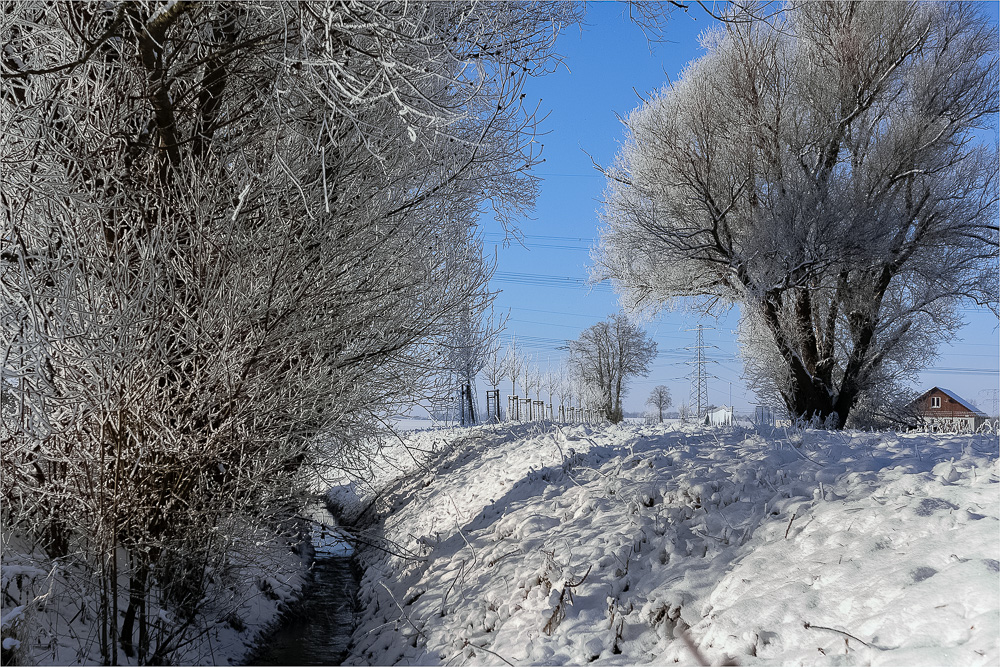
823	169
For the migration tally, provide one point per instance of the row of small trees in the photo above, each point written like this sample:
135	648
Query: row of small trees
556	383
595	374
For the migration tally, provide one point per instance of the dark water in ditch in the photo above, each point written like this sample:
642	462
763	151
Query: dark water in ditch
317	630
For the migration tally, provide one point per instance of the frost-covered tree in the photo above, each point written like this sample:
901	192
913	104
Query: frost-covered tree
606	355
550	382
561	388
531	377
821	170
230	247
470	346
530	380
659	398
515	364
495	366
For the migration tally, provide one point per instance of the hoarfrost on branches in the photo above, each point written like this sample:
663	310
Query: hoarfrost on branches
605	357
659	398
819	168
235	238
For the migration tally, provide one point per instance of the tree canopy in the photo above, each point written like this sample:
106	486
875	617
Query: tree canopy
660	399
236	237
606	356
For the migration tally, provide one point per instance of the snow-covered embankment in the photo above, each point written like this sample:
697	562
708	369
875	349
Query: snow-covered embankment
546	545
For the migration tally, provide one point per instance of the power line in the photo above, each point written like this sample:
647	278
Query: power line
546	242
552	312
962	371
551	174
541	343
543	280
546	324
549	237
550	246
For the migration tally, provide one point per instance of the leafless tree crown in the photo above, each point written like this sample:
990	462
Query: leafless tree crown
606	356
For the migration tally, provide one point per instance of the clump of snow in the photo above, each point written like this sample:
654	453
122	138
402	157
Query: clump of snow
573	544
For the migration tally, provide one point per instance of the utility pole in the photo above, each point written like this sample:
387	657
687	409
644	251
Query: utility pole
699	378
993	396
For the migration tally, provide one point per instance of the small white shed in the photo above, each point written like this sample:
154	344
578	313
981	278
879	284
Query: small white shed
721	416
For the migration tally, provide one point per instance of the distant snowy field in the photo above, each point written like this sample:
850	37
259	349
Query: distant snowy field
554	545
415	424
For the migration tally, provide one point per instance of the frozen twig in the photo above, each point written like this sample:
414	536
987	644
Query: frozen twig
483	648
558	614
698	655
401	611
809	626
789	527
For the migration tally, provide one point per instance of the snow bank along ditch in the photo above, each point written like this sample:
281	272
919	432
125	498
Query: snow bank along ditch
555	545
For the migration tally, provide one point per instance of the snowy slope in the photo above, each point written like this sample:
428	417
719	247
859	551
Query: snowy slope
557	545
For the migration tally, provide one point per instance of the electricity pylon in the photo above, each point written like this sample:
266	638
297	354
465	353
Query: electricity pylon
699	378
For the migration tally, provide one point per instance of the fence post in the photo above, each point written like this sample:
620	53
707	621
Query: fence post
461	405
513	408
493	405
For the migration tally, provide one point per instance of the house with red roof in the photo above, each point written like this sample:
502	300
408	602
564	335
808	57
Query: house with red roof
941	408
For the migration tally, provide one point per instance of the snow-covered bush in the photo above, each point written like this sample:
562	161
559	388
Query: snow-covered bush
234	238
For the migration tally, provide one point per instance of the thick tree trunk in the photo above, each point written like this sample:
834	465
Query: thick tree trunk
810	394
813	393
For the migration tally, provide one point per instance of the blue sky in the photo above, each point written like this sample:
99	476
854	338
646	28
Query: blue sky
608	64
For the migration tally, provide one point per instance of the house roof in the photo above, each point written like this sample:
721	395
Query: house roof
955	397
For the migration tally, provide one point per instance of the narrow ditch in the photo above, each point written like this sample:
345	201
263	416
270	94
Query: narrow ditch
317	629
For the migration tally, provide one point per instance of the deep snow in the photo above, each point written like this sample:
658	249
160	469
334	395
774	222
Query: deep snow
544	544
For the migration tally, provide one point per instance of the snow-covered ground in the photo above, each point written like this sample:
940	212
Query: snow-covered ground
540	544
49	613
